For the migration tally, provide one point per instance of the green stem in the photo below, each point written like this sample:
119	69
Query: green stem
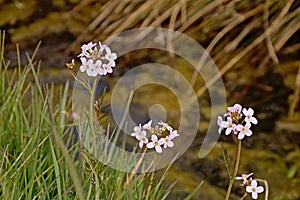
236	168
92	93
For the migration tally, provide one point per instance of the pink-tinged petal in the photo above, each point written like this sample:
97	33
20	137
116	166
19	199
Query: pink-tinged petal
161	141
158	149
150	145
170	144
220	130
253	120
254	183
249	189
148	125
259	189
250	111
241	136
219	121
228	131
254	195
248	132
239	127
248	125
224	124
107	49
245	112
141	143
154	138
174	133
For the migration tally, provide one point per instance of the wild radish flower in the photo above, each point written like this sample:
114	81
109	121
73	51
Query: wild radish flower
165	125
85	64
162	134
91	70
111	57
249	116
142	138
246	179
244	130
219	122
174	133
87	49
254	189
228	125
96	59
106	68
167	141
238	121
138	131
156	143
148	125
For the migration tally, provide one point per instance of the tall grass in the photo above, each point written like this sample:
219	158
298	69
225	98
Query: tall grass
35	162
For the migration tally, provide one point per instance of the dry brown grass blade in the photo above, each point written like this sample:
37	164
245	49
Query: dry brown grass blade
288	34
275	26
231	46
104	12
232	62
183	11
268	37
220	35
153	14
138	164
199	14
133	17
163	16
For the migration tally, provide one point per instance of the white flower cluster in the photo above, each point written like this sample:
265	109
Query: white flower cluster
96	59
161	135
238	121
251	185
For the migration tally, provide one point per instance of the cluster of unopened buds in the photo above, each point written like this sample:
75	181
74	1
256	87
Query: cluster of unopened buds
96	59
162	135
238	121
251	185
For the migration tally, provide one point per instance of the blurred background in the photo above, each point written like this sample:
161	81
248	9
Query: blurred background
254	43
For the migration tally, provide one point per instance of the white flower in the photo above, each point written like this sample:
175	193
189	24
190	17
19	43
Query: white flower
228	125
86	49
244	130
148	126
110	56
165	125
102	46
249	116
91	71
235	108
254	190
219	122
167	141
244	177
173	134
138	131
85	64
112	63
106	68
98	67
142	138
155	144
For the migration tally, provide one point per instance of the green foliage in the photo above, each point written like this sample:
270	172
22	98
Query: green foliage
35	163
